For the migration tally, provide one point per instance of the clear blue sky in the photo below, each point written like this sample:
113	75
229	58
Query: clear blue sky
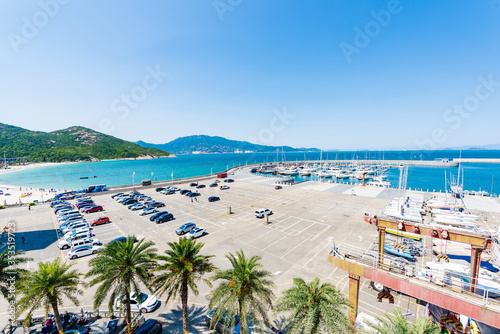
348	80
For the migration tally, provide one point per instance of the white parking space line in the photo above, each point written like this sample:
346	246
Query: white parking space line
320	251
283	237
291	250
290	226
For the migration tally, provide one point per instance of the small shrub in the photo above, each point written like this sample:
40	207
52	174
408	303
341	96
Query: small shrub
1	207
31	204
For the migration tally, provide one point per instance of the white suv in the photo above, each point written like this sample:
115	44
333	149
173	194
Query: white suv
263	212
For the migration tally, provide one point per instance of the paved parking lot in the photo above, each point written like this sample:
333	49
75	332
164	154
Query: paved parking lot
295	242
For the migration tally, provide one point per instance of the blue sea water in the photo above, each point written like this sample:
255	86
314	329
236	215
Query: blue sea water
112	173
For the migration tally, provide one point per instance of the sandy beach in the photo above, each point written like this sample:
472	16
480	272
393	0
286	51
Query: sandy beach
11	195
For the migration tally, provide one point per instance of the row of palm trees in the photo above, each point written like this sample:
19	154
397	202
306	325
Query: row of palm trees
245	289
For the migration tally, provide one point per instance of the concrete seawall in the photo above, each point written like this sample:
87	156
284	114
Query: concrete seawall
487	161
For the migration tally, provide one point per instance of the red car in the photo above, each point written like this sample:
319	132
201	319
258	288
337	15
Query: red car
99	221
94	209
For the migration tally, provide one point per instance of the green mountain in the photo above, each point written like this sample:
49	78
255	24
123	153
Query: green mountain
72	144
214	144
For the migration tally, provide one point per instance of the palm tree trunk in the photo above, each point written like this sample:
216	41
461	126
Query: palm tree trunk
59	325
129	315
184	301
243	329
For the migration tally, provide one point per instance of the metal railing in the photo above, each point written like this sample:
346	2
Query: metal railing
444	277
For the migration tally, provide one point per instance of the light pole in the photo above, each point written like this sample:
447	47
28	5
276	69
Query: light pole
133	184
4	161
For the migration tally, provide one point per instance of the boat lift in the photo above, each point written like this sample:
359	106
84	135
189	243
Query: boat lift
478	242
382	271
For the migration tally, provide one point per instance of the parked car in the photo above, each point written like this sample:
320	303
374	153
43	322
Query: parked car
184	191
223	324
54	203
185	228
213	198
213	185
193	184
83	200
129	201
157	204
193	194
116	195
200	186
72	227
84	204
143	302
157	215
263	212
164	218
85	242
228	180
159	189
85	207
224	187
150	326
65	242
136	206
168	192
147	211
99	221
278	187
94	209
121	239
196	232
124	198
83	251
76	231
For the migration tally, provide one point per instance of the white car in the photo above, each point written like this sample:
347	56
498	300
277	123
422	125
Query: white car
148	211
196	232
263	212
78	230
144	303
73	227
83	251
137	206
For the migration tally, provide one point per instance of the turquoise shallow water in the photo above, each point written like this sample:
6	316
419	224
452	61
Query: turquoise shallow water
113	173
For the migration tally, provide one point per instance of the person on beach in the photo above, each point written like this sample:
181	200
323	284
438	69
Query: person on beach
22	238
29	207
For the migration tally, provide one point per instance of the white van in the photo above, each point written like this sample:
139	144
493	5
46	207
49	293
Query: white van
70	218
71	223
262	212
74	227
85	242
67	214
67	240
78	230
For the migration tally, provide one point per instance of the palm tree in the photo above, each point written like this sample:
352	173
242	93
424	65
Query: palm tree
245	291
184	267
399	324
119	268
314	308
8	274
47	286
